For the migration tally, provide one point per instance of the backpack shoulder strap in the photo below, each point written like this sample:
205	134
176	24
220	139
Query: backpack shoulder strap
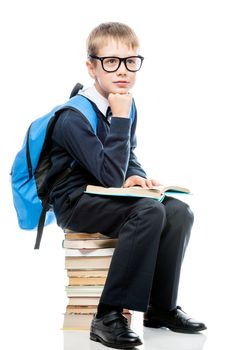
133	111
83	105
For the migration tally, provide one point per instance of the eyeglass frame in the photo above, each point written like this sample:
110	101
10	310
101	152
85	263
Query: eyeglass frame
124	59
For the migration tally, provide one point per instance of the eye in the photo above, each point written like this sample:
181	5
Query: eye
111	61
131	61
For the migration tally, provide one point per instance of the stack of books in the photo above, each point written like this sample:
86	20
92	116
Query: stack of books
87	260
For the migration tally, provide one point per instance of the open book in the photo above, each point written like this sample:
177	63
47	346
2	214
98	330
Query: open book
157	192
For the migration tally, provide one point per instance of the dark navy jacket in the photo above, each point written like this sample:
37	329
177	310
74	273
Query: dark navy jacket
105	158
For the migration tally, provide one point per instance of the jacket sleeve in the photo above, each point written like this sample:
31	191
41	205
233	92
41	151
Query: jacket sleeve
134	167
108	161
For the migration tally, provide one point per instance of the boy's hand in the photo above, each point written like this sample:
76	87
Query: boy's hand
136	180
120	104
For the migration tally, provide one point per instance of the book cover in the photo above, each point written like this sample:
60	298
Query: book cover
157	192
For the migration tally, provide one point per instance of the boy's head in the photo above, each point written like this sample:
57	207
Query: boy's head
113	58
116	31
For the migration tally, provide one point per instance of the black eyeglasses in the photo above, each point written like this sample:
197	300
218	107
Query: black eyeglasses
111	64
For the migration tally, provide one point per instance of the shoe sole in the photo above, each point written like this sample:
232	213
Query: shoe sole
96	338
150	324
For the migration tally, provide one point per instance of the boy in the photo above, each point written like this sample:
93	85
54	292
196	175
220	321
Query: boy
152	236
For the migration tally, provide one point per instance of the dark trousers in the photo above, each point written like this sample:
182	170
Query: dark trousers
152	238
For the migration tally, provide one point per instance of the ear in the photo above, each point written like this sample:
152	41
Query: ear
91	69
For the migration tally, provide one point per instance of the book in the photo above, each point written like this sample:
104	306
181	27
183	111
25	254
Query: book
85	301
92	262
74	321
88	309
69	234
89	252
157	192
81	309
84	291
86	281
89	243
87	273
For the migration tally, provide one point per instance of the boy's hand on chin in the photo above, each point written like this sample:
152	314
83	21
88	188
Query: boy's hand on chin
120	104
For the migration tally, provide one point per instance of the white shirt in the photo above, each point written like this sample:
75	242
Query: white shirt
92	94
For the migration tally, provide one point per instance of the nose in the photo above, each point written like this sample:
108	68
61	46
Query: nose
122	69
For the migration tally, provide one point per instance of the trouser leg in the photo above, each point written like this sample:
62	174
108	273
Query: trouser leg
131	272
173	243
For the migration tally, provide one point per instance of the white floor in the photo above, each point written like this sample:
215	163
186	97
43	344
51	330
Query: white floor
153	340
215	337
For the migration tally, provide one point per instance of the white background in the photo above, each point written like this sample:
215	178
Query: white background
184	96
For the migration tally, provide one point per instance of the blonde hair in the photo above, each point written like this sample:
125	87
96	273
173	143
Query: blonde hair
100	35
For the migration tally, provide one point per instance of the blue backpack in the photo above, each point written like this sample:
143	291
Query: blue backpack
32	163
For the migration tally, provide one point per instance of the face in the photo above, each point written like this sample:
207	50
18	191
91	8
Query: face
120	81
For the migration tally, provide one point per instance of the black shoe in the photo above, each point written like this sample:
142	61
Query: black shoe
112	330
176	320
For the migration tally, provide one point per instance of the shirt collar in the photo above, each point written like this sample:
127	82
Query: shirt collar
92	94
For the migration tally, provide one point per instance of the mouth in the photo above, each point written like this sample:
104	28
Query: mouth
121	83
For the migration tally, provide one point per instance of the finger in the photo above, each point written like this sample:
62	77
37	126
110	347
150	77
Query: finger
143	183
155	182
127	183
149	183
